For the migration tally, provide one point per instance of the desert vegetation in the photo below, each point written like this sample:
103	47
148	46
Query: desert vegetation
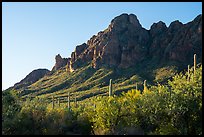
174	108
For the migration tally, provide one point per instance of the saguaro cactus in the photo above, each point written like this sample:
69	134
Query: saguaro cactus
194	64
145	86
75	101
68	100
110	88
53	102
188	79
59	102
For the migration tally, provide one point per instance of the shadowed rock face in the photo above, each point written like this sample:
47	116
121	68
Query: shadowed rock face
186	40
126	43
178	42
31	78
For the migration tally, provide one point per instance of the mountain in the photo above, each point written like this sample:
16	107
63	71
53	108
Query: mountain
31	78
125	43
125	52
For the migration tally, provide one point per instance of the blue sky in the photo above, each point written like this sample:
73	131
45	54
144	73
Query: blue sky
33	33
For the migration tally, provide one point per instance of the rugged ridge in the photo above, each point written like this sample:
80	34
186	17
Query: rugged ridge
126	43
31	78
129	52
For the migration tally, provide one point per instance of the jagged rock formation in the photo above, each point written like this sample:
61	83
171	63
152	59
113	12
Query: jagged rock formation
186	40
31	78
126	43
60	62
178	42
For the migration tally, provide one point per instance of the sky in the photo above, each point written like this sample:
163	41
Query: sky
33	33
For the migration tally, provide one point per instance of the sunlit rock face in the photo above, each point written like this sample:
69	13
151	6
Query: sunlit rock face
126	43
59	62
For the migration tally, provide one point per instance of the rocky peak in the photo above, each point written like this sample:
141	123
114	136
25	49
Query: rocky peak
124	39
31	78
158	28
175	26
186	40
124	20
58	57
125	43
198	18
80	48
59	62
133	20
198	22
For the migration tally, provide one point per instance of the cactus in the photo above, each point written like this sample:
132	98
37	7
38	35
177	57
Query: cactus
188	79
110	88
145	86
68	101
59	102
53	103
194	64
75	101
145	83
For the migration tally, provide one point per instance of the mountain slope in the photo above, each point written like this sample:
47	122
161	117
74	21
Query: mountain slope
31	78
124	52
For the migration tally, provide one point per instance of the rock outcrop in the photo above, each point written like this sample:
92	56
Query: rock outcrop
31	78
186	40
126	43
178	42
59	62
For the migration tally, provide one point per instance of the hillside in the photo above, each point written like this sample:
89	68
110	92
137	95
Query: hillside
125	52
